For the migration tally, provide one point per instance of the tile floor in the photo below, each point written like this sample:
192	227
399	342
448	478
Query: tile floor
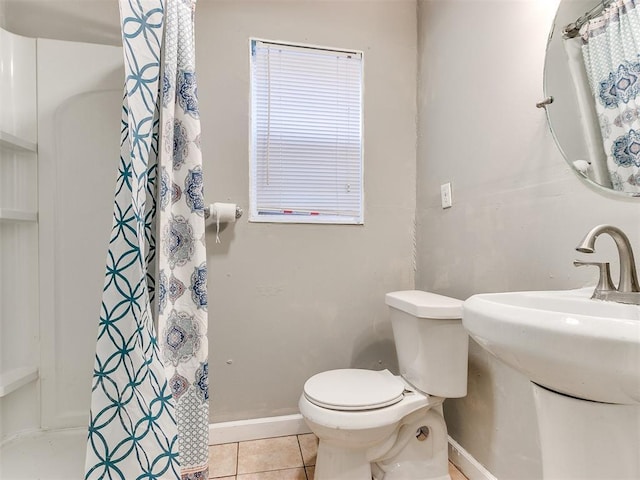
280	458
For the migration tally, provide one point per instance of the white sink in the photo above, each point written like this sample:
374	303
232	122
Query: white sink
562	340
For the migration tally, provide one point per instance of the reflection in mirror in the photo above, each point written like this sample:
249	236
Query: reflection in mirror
592	70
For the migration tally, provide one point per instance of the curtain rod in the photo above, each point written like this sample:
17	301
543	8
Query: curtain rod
572	30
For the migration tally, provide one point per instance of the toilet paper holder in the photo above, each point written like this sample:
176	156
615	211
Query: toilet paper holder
207	212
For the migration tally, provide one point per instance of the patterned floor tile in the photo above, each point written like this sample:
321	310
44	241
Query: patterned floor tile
309	448
223	460
281	458
310	472
288	474
269	454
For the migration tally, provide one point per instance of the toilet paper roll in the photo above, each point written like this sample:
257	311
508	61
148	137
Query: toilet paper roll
223	212
220	212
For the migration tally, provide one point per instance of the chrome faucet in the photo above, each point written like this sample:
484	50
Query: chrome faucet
628	290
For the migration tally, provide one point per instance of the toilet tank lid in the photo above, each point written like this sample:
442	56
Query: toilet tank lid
425	304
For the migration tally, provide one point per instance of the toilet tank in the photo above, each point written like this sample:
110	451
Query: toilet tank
431	344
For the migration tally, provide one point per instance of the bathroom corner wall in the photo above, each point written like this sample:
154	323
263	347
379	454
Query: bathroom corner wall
288	301
518	211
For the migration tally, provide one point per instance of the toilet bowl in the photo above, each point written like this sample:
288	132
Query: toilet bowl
353	439
376	424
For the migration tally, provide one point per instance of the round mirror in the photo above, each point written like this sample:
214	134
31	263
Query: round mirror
586	126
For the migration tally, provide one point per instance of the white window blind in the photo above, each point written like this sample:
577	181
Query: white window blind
306	150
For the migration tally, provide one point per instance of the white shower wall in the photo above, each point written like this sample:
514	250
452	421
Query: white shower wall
52	257
18	236
79	104
79	97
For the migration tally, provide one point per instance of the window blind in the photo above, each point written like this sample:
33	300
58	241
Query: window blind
306	134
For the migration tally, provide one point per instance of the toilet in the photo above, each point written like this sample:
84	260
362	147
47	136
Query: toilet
373	424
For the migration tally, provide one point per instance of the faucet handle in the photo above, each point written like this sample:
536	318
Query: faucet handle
605	284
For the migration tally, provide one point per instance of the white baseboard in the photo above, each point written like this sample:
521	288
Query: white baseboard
469	466
257	428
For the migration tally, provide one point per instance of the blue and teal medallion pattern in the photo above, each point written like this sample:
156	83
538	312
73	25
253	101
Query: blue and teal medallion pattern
611	51
149	405
182	324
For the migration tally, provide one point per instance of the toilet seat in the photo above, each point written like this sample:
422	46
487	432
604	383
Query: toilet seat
354	389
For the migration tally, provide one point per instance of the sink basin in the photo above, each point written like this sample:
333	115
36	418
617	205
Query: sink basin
562	340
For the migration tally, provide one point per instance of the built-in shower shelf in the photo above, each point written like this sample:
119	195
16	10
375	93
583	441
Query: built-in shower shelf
14	379
11	215
8	140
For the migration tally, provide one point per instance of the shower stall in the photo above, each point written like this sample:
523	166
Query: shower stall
59	142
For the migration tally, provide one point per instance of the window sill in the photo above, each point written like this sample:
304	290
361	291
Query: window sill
307	219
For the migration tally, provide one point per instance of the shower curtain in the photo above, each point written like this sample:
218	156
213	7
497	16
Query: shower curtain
149	402
611	53
588	116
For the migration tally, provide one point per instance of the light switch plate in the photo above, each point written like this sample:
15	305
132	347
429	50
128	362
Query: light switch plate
445	195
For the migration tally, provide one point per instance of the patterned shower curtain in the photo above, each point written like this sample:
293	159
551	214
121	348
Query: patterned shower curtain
149	403
182	289
611	53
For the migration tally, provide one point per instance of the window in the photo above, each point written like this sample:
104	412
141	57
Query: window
306	128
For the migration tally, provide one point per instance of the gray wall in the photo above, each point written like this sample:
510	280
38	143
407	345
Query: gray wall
518	211
288	301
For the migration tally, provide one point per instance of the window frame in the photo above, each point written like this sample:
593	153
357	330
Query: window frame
254	215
